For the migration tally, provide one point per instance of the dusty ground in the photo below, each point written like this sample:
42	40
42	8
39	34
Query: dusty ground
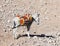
49	22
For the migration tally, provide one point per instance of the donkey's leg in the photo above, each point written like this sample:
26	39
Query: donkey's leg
28	28
15	33
28	34
14	25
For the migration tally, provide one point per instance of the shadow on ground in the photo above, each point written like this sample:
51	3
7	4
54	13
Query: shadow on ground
32	35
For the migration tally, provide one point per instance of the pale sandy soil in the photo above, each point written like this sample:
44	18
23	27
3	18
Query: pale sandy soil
49	22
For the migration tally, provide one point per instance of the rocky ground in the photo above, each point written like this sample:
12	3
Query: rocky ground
45	34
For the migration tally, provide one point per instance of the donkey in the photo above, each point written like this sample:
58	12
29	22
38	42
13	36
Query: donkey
25	20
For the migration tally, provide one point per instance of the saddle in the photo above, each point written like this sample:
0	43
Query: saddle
24	19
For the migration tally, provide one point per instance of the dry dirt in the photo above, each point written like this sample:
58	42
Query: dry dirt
49	11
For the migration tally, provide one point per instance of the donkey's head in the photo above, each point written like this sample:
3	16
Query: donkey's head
36	17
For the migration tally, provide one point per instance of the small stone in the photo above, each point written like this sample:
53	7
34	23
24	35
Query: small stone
46	3
59	35
9	29
15	5
25	41
55	15
35	32
8	21
22	43
23	31
34	37
4	30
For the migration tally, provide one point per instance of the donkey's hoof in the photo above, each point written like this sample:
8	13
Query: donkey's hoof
16	37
